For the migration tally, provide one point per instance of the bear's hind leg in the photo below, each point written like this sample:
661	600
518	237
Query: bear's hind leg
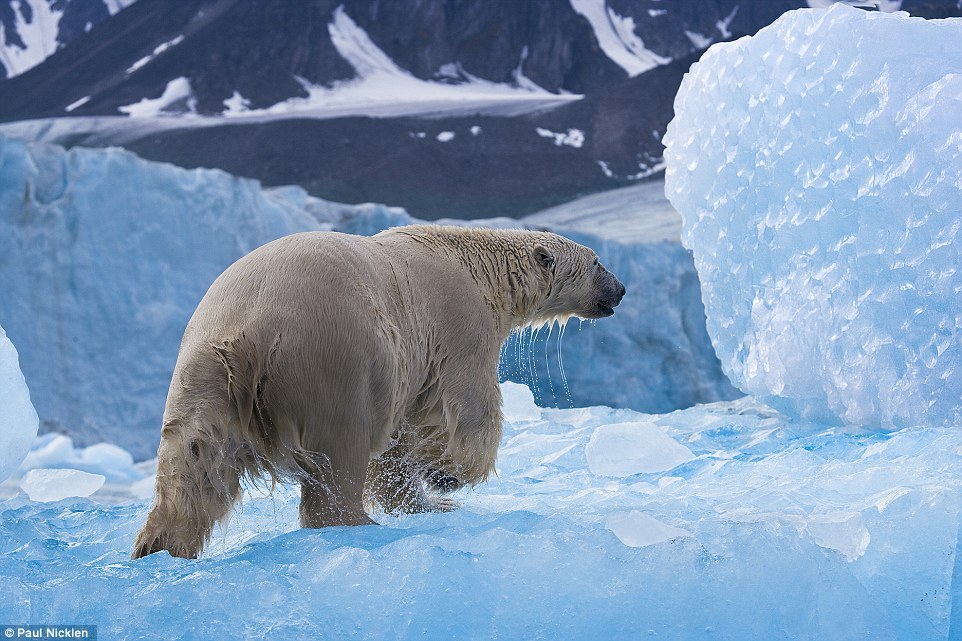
394	481
332	491
197	485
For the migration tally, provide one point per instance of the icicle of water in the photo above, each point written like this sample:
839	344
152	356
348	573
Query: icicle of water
516	337
535	388
554	397
561	367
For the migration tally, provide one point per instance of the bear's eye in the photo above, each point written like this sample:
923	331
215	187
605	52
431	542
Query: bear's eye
597	262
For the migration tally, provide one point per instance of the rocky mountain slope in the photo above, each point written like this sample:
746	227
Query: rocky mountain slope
446	107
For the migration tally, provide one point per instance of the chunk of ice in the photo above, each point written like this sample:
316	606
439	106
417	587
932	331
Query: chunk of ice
843	531
637	529
624	449
18	418
53	485
517	402
818	167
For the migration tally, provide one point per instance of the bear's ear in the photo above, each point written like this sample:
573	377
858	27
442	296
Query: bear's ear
544	257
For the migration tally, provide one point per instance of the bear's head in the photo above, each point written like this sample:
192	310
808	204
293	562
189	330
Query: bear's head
575	283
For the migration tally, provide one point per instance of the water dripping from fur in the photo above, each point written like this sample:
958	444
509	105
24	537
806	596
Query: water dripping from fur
524	345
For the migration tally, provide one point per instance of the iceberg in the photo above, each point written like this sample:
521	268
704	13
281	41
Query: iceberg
771	528
18	418
818	168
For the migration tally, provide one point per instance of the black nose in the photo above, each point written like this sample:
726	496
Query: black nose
619	294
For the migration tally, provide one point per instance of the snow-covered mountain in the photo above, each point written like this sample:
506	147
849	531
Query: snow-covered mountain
32	30
448	108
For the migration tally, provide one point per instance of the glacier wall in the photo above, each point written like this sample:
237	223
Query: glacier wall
818	168
104	256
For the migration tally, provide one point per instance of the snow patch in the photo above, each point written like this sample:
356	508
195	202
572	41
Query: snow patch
115	6
571	138
698	40
445	136
722	25
39	36
617	37
77	103
159	49
178	98
236	104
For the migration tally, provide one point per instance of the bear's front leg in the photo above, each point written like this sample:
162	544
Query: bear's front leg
394	481
473	423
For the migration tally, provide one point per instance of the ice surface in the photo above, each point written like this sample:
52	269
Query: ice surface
49	485
18	418
775	530
624	449
104	256
818	167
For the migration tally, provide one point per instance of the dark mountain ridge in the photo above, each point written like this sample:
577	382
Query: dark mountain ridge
192	58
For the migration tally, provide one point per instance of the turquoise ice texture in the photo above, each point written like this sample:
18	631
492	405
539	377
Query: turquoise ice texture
818	168
769	529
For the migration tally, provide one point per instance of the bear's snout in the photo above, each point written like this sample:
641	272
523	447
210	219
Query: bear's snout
619	294
612	293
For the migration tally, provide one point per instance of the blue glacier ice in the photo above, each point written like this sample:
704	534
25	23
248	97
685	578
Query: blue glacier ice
770	529
818	168
104	256
18	418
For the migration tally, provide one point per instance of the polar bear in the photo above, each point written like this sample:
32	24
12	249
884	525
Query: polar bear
343	361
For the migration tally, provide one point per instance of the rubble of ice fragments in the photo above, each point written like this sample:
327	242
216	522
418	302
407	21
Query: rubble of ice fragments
18	418
818	168
774	529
